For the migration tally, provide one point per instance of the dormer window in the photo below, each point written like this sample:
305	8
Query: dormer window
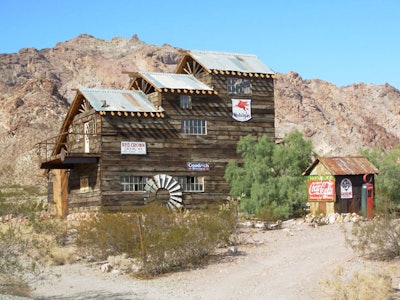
185	101
239	86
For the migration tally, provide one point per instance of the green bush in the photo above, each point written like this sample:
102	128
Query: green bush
270	177
164	240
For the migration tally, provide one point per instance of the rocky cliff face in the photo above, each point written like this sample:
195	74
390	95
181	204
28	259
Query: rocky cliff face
35	92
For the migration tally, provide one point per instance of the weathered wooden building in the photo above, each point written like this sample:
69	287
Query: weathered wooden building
335	184
168	137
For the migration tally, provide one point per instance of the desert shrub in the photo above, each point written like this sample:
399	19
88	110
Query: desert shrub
360	284
20	262
163	239
109	233
183	239
378	238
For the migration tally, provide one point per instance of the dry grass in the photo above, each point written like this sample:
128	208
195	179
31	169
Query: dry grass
360	284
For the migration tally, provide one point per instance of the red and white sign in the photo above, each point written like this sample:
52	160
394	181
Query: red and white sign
138	148
321	190
241	109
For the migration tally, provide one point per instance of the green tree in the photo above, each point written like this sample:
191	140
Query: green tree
387	185
270	177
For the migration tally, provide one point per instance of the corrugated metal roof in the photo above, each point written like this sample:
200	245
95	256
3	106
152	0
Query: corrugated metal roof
175	81
353	165
118	100
246	63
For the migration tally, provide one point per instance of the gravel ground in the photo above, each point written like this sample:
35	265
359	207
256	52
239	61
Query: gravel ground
289	263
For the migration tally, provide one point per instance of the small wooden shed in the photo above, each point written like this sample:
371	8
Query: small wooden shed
335	184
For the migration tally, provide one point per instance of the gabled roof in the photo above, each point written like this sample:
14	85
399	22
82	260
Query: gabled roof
108	100
117	102
165	82
224	62
351	165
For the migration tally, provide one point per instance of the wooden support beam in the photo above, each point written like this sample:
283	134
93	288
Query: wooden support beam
145	114
125	113
112	113
152	115
138	114
119	113
132	114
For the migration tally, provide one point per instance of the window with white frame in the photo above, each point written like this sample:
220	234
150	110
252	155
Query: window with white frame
191	184
195	127
185	101
133	183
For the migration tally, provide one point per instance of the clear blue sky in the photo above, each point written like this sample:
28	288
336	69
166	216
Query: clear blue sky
340	41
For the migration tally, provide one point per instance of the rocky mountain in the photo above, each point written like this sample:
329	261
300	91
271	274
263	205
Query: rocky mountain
36	90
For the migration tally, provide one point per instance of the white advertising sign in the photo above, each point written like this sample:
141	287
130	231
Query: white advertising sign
138	148
346	189
241	109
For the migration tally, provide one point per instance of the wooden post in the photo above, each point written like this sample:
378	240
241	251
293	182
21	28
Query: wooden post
60	192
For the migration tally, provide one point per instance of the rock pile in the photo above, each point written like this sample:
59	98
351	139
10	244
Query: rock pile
332	218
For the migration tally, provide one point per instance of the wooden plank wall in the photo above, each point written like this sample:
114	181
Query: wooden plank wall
168	151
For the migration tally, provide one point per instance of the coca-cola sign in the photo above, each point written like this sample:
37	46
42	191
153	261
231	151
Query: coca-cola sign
321	190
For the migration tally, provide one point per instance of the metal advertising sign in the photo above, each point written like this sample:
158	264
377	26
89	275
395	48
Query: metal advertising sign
346	189
138	148
321	188
241	109
198	166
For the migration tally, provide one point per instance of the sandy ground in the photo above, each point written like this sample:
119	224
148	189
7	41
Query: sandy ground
290	263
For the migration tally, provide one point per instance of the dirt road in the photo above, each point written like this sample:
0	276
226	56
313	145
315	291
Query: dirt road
290	263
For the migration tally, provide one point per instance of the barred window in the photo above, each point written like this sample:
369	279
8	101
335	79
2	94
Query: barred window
239	86
185	101
133	183
191	184
194	127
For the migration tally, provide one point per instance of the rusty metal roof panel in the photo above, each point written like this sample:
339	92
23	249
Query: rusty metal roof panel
224	61
118	100
175	81
352	165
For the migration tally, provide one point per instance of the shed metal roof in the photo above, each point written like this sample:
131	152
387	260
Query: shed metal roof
246	63
351	165
118	100
175	81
